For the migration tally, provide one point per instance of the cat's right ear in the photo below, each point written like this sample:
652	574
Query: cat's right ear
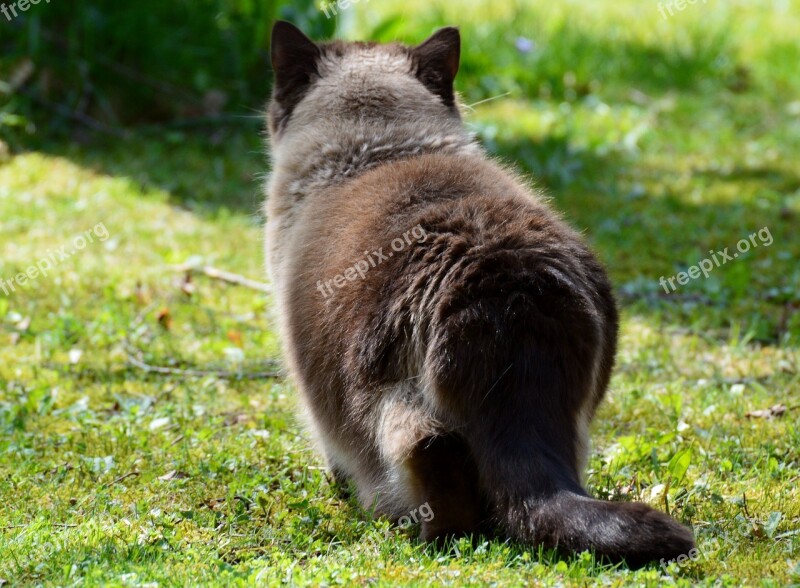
437	61
294	61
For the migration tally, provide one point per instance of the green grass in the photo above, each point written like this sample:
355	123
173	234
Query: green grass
669	138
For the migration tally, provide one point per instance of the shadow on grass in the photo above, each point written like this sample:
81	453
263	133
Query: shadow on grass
646	231
641	234
213	172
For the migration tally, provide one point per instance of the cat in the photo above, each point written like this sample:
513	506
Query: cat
460	370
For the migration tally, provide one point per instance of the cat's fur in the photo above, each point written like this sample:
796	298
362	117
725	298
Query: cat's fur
462	371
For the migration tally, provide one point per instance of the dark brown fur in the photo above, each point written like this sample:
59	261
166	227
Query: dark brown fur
463	370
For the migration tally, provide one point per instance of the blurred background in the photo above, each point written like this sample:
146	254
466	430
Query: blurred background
108	67
144	428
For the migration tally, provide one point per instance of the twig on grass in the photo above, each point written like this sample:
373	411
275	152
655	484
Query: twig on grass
134	358
120	479
224	276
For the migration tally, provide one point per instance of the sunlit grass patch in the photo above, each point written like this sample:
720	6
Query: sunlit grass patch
660	139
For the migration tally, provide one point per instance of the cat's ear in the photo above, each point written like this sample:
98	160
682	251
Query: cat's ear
294	60
437	61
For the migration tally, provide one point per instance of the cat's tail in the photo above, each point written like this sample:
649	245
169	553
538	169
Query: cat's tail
617	531
520	374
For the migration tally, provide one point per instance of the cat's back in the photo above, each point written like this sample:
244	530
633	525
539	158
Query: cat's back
477	218
388	200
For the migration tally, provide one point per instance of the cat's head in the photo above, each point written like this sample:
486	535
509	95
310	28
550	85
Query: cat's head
357	83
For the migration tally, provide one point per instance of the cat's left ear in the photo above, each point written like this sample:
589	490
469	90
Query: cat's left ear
294	60
437	61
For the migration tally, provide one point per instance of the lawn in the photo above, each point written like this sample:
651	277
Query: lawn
665	139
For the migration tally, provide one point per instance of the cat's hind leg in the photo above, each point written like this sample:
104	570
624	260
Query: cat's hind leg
432	478
445	479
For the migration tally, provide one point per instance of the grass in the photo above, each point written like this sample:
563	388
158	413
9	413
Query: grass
662	141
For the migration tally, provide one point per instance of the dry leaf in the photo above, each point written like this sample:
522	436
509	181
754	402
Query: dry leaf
233	419
214	503
235	337
187	286
174	475
768	413
165	319
141	295
24	324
